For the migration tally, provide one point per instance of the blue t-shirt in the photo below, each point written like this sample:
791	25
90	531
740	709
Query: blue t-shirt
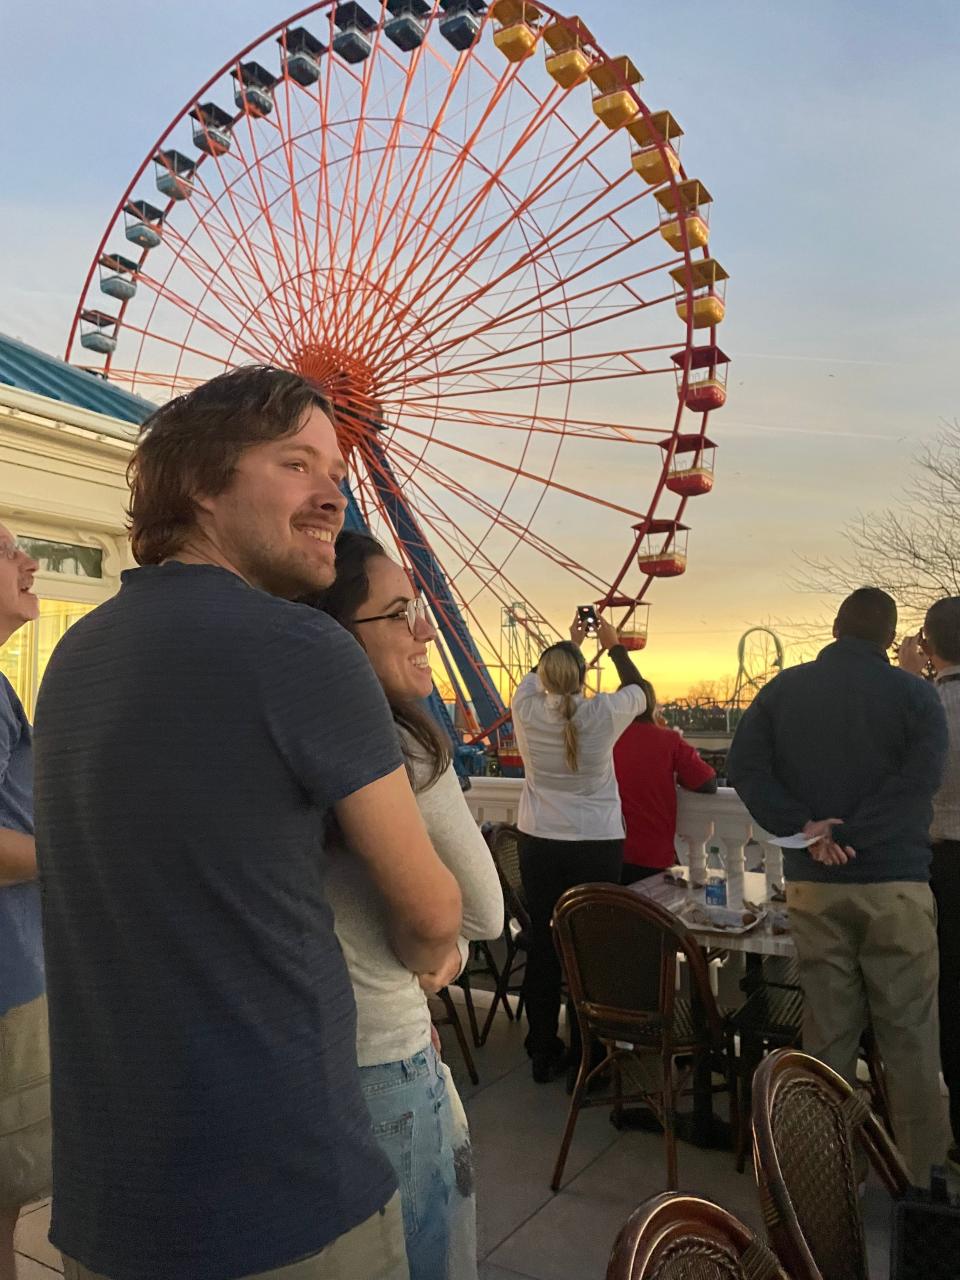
191	735
21	948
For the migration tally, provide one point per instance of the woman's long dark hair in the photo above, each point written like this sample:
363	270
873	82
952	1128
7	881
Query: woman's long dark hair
343	601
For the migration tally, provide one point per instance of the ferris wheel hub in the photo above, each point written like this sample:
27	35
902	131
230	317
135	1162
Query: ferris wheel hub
349	384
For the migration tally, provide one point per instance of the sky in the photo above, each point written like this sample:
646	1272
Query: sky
826	134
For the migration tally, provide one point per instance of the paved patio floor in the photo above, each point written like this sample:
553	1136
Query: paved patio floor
526	1232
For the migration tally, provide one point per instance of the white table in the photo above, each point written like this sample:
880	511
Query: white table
760	941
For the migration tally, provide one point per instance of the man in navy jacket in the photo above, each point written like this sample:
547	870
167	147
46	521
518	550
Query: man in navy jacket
851	750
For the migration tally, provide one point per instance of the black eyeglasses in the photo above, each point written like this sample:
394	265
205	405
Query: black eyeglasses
413	611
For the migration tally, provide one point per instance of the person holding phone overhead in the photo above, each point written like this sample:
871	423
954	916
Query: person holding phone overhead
570	820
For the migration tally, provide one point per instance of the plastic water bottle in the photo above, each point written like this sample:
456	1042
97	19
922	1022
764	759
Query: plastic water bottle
716	892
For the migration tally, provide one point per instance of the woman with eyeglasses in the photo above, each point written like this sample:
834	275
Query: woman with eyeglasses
417	1114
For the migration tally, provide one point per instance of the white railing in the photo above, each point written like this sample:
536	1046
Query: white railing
708	826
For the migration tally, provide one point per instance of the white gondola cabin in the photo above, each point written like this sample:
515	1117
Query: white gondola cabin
95	332
516	28
566	60
211	129
706	282
707	380
662	549
143	224
691	467
301	52
407	24
174	174
118	276
461	22
254	90
613	101
656	156
355	28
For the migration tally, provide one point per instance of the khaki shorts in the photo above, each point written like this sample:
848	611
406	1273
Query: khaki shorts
24	1105
375	1250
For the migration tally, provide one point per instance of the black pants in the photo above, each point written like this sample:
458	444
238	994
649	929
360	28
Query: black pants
631	873
945	882
548	868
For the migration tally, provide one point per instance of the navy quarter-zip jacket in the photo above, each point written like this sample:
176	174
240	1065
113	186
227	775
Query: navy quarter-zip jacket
847	736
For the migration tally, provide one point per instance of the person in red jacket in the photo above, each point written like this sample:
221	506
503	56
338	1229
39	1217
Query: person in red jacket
650	759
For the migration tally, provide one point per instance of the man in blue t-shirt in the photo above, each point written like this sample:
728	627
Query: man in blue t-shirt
24	1053
193	737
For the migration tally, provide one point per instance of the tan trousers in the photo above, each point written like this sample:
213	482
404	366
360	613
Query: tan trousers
373	1251
869	952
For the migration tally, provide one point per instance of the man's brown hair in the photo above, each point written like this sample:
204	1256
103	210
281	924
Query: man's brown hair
192	445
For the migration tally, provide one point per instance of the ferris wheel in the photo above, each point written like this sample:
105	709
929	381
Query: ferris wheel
495	265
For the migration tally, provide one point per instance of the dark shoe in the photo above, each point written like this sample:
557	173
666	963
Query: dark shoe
548	1066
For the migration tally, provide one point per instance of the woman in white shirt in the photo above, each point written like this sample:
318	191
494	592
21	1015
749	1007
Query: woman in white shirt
569	817
413	1101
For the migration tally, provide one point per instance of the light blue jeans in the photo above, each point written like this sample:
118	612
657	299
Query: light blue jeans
419	1120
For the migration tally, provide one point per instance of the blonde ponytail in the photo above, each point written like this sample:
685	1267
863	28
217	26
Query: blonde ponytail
561	674
571	735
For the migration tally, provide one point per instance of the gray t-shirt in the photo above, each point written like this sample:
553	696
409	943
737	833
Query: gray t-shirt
191	735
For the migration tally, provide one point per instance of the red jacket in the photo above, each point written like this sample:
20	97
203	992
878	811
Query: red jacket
649	761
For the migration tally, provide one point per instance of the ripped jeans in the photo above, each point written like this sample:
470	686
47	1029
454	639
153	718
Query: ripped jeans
419	1121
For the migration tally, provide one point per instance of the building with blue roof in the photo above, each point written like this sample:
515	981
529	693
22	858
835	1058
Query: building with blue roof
65	441
28	369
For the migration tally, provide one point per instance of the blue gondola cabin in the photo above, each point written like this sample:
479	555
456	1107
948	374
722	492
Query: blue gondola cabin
407	24
461	22
301	52
143	224
211	129
174	174
254	90
118	276
95	332
355	28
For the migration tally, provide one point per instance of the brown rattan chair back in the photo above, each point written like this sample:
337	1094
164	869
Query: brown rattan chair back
503	840
807	1124
619	953
680	1237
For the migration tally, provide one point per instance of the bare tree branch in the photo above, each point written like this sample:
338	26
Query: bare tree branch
911	550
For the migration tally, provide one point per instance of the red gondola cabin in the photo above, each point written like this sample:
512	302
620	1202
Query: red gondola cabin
707	381
662	550
691	467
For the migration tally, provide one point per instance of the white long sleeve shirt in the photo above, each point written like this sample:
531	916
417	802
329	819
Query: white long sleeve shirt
393	1021
557	803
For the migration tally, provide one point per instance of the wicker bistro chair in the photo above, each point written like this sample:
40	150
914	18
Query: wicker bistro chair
443	1013
619	952
806	1124
504	847
680	1237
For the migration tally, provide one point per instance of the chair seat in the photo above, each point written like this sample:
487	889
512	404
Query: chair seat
686	1034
